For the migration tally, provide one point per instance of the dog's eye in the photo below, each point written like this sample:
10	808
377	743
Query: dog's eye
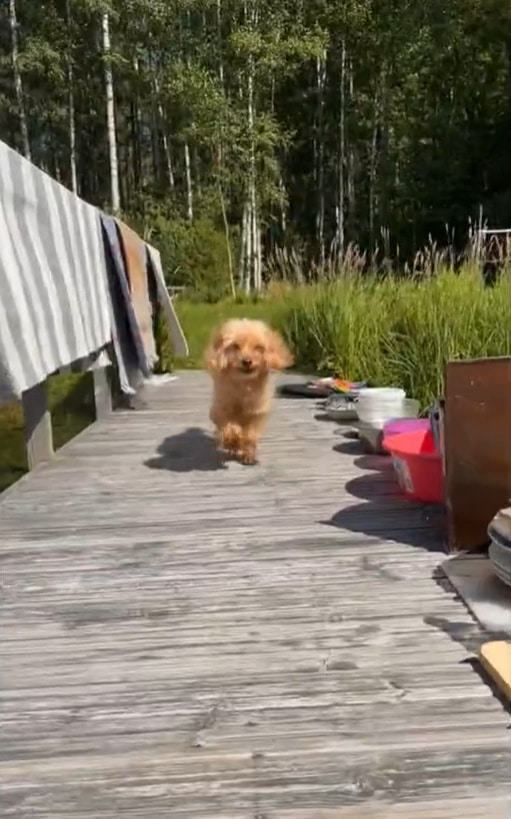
234	347
259	349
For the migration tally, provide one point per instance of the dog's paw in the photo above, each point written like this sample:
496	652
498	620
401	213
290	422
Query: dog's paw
247	457
230	437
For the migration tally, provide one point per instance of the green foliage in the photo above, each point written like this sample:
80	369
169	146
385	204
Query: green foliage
192	254
421	91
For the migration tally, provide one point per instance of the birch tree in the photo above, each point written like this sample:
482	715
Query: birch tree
71	100
110	114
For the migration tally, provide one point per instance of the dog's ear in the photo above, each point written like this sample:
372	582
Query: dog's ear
213	358
278	355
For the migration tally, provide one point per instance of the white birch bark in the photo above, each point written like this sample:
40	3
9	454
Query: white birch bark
341	157
110	116
320	215
163	126
71	104
243	250
189	185
351	191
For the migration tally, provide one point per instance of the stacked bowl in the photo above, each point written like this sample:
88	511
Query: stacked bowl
499	553
377	404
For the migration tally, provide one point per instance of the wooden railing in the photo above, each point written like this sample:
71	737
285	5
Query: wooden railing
37	415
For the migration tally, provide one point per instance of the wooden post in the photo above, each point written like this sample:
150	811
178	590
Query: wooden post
38	430
102	392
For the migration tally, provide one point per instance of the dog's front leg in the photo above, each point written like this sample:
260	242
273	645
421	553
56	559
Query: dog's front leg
230	437
250	435
248	451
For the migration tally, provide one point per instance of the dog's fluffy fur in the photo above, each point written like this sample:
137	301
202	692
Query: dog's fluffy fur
240	356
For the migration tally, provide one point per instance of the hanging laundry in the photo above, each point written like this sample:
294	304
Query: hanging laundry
134	252
127	338
177	336
54	301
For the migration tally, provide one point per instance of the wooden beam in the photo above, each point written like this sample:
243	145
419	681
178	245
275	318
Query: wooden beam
102	392
38	429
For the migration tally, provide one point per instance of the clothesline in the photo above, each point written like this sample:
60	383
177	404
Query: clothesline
72	282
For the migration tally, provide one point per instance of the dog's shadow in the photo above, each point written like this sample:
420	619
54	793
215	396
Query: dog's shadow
191	451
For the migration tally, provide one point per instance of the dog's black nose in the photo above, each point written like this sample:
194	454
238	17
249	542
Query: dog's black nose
246	363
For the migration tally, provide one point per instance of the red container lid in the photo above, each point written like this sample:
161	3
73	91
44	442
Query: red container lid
420	442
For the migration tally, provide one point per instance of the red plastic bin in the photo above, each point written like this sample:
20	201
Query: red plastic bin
417	464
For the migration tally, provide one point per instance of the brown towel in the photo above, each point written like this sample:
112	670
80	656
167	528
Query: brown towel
136	266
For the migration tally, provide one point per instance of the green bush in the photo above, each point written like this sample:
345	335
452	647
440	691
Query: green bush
193	255
396	331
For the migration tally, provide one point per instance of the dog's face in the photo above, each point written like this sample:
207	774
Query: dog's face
247	349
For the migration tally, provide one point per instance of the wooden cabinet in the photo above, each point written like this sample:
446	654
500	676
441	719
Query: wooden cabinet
477	432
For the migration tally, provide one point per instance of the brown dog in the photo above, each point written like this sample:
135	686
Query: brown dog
240	357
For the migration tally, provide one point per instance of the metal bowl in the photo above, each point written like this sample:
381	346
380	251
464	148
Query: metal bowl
341	407
371	438
500	555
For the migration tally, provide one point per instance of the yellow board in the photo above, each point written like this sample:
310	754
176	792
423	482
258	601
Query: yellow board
496	658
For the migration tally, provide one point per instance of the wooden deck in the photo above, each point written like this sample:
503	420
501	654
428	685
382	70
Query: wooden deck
180	639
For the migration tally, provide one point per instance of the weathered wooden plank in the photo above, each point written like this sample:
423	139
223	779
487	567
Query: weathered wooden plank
38	430
102	392
190	639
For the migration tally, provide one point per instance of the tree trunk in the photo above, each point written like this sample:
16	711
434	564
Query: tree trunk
243	249
283	199
373	172
227	237
71	102
221	76
253	277
18	84
189	187
163	126
187	156
220	41
320	173
136	131
341	158
384	150
110	117
255	241
248	260
351	170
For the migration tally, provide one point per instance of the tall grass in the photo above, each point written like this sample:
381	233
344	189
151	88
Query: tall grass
401	331
390	330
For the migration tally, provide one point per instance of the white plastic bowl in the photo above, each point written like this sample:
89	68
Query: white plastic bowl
380	404
371	393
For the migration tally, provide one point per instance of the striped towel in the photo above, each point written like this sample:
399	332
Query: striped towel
54	300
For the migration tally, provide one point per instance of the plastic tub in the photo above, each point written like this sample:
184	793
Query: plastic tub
417	464
381	392
379	404
399	425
